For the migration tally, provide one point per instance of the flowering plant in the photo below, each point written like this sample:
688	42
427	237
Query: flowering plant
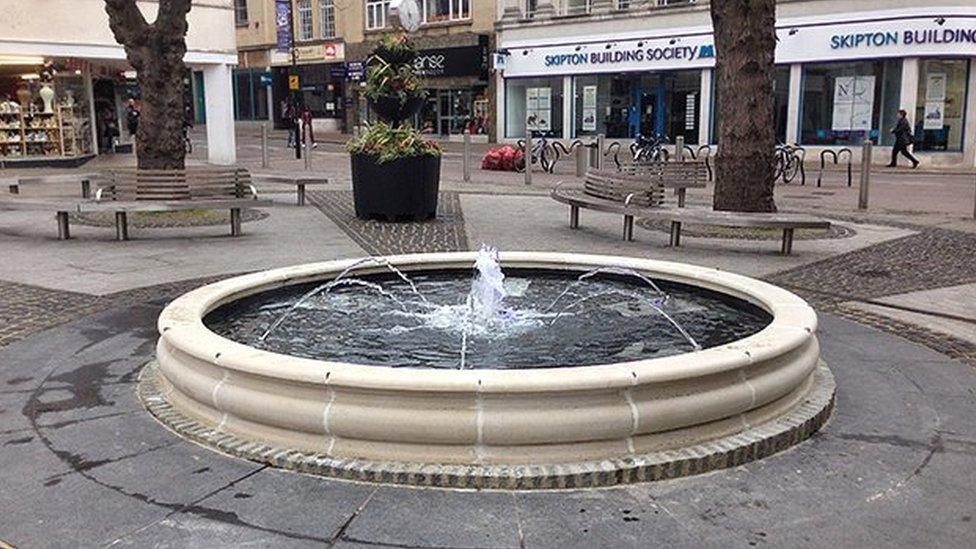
387	143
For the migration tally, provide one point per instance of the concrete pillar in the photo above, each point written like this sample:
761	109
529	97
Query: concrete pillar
705	111
794	103
908	98
219	99
969	137
569	106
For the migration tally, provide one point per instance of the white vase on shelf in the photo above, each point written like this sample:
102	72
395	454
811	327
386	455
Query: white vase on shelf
47	95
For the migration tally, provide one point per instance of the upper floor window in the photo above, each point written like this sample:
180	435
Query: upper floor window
577	7
436	11
240	12
327	18
304	19
377	12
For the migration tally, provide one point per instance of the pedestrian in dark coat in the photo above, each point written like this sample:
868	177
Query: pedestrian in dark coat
904	136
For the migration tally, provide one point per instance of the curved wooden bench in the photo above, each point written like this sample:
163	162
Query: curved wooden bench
205	187
680	176
787	222
612	192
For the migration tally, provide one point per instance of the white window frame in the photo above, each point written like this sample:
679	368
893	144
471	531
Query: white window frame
377	14
305	25
327	18
458	10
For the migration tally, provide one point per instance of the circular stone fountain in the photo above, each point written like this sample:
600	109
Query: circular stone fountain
576	370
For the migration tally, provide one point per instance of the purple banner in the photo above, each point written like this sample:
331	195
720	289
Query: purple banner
283	25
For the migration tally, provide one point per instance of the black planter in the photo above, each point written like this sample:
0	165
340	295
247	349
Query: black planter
400	190
389	108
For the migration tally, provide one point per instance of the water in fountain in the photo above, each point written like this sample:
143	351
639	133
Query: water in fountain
443	319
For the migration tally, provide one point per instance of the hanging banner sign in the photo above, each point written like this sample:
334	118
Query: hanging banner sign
283	25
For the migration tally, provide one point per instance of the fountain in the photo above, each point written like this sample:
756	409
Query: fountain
545	370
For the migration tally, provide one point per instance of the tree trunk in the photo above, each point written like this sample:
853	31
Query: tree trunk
745	44
156	52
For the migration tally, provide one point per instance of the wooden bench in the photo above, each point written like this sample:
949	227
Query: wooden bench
205	187
299	181
787	222
679	175
612	192
85	179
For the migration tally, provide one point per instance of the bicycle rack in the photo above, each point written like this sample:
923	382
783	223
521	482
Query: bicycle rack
835	155
802	157
614	148
708	160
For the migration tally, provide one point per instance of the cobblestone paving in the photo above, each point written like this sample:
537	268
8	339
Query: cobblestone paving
28	309
933	258
444	234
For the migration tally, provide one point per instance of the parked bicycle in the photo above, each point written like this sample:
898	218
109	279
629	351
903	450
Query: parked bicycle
789	163
542	153
649	149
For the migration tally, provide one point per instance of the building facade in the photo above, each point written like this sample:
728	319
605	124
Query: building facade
577	68
332	42
64	81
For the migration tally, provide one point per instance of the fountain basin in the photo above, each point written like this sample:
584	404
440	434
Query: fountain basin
548	427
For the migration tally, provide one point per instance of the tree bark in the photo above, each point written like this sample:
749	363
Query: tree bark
745	45
156	52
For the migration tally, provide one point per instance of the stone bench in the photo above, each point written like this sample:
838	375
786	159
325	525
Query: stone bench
85	179
299	181
611	192
788	223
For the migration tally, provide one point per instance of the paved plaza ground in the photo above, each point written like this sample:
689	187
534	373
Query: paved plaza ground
85	465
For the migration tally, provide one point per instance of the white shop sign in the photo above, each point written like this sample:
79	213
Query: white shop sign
865	36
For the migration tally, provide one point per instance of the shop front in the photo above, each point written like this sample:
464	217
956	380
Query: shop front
321	83
455	74
837	83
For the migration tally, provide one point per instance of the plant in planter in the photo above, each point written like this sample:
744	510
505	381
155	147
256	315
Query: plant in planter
395	170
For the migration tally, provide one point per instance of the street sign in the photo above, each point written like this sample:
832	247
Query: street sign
266	79
355	71
293	82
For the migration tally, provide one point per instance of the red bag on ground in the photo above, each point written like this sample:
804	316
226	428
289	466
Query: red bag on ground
502	158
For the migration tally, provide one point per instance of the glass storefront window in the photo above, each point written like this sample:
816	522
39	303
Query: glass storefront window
845	102
451	111
48	119
539	100
781	101
622	106
940	110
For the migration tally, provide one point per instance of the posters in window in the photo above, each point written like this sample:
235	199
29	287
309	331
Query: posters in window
934	115
935	86
853	103
589	108
538	110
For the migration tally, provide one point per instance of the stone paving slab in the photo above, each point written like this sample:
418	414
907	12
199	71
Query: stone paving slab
902	442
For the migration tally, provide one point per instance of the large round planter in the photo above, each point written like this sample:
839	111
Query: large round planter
403	189
389	108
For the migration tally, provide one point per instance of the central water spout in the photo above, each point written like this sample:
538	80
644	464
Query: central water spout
488	289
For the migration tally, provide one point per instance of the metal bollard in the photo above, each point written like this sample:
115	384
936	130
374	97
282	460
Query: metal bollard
866	155
527	155
601	141
679	148
265	157
582	162
466	161
308	149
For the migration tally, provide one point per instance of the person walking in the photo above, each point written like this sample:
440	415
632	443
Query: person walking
132	116
288	117
307	124
904	136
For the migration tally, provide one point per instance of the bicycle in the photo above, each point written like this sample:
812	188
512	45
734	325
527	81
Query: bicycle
649	149
540	154
789	163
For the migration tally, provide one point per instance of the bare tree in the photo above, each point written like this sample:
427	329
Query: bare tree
156	52
745	44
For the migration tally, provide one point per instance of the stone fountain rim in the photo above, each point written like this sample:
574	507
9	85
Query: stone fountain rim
794	321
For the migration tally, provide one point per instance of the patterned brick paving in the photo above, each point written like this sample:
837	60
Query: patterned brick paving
444	234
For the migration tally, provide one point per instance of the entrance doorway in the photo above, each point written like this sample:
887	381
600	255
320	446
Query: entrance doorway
448	112
665	104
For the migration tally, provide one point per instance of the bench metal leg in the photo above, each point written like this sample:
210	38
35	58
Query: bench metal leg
235	222
63	232
787	248
301	194
628	228
121	226
574	217
85	188
14	189
681	197
675	234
